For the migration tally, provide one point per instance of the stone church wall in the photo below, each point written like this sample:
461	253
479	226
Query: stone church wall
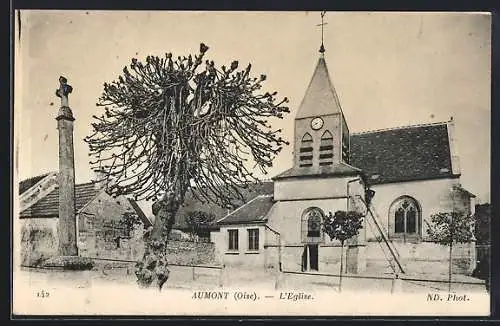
299	189
292	258
328	258
287	216
433	196
419	256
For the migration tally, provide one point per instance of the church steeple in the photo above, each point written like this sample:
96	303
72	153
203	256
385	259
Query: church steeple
321	132
320	97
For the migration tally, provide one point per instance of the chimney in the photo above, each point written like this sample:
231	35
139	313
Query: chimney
67	217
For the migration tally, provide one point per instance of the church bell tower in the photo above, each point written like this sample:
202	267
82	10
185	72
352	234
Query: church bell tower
321	180
321	133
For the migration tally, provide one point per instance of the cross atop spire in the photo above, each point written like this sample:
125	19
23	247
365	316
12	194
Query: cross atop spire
63	91
322	48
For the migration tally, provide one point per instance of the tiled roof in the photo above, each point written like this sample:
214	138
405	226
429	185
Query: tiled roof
335	169
192	204
403	154
28	183
254	211
48	206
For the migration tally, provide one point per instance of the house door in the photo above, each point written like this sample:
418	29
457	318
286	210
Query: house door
310	257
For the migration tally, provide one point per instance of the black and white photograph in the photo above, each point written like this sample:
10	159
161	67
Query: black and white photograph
251	163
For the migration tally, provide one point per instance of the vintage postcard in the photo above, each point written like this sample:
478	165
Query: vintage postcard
251	163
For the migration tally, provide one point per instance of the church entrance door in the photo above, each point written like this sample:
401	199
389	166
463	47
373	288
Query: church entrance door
310	257
313	257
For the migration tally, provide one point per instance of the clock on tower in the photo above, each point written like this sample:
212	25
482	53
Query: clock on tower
317	123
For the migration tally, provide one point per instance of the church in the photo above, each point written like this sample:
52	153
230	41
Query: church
410	172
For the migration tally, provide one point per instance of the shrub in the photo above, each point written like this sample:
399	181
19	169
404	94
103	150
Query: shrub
74	263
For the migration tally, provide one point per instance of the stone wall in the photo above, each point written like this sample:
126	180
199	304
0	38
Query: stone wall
101	234
191	253
423	258
107	240
39	240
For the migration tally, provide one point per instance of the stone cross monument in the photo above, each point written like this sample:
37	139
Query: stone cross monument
67	217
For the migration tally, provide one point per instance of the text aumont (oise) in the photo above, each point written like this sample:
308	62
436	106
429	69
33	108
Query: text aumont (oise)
249	295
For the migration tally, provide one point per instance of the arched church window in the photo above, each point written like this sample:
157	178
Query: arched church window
326	149
314	225
405	217
306	150
311	225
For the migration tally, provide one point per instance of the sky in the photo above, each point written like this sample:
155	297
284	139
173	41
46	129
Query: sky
389	70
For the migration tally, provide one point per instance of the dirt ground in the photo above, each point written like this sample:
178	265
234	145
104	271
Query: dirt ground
205	278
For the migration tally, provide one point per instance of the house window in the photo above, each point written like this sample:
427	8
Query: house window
306	151
233	239
405	214
253	239
326	149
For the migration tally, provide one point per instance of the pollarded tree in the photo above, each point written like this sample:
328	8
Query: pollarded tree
171	125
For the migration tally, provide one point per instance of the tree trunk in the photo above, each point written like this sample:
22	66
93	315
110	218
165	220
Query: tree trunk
341	264
153	269
450	268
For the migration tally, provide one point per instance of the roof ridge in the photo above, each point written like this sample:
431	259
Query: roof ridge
80	184
401	127
36	176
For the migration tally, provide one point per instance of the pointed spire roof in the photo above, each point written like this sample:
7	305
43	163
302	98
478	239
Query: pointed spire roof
321	97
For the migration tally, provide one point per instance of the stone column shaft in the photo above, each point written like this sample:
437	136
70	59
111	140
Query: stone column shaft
67	217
